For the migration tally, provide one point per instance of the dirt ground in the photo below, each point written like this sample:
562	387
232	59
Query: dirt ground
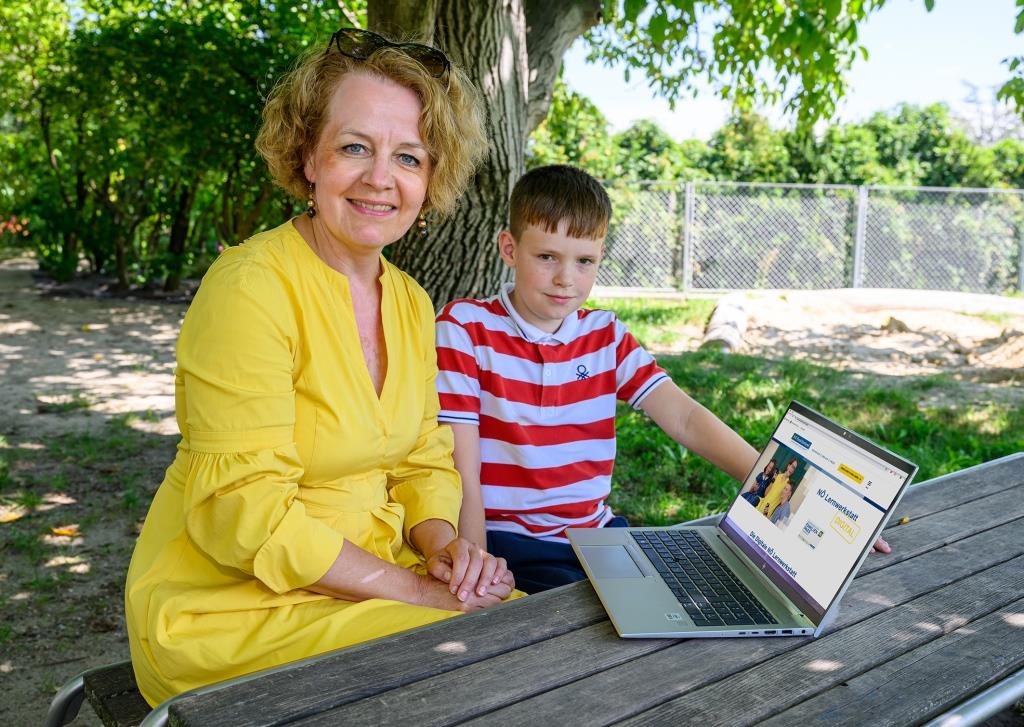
86	387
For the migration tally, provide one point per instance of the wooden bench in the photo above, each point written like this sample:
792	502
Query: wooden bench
110	690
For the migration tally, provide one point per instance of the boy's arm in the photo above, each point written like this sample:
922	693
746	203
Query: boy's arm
697	429
467	462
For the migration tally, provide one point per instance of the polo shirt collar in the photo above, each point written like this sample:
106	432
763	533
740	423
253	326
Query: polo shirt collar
566	331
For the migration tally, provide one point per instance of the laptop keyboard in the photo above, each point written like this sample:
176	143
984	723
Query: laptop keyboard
709	593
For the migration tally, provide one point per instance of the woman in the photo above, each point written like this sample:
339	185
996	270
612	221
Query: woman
773	495
313	502
760	484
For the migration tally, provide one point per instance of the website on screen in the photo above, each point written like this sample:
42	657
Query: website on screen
809	507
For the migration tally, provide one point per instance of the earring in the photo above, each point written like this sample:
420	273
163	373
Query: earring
311	203
421	224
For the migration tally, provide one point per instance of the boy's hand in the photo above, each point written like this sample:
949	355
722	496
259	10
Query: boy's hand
470	570
881	546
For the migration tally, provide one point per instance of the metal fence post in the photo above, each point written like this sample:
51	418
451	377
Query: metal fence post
688	215
1020	259
859	230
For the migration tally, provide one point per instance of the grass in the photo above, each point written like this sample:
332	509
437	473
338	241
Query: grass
657	482
1000	319
62	403
118	441
21	540
653	321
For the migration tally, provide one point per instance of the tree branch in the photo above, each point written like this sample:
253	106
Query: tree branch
551	27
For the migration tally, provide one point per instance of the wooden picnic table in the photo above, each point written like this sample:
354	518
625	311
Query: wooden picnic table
919	632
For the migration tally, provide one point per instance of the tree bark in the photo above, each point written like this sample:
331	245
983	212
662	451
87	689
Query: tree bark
457	258
550	29
515	68
179	234
403	20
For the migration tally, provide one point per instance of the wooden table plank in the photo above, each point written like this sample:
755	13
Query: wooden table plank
959	487
947	526
686	665
384	664
491	684
917	685
814	667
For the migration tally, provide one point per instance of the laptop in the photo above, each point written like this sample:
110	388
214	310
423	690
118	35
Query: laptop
778	561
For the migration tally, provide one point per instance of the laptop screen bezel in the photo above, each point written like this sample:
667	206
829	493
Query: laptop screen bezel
758	557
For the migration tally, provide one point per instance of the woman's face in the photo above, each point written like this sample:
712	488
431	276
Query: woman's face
370	166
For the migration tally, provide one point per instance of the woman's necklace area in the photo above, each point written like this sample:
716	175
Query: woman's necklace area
337	263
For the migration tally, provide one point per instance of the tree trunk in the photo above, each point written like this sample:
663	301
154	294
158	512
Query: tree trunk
179	234
550	29
457	258
490	40
403	20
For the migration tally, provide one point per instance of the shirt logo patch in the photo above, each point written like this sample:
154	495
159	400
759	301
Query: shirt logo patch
582	373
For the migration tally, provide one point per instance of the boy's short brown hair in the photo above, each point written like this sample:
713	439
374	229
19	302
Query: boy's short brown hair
545	196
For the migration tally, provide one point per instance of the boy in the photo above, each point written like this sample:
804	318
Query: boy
528	381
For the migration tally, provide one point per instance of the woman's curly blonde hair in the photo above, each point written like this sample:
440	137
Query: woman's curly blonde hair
451	124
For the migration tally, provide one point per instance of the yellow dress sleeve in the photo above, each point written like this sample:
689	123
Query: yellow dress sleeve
426	482
236	357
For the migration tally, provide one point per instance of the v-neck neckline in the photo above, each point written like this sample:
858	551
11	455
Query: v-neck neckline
339	278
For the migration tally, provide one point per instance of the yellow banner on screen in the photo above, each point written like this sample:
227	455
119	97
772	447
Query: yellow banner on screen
852	474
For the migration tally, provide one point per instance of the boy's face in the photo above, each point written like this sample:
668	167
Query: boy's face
554	273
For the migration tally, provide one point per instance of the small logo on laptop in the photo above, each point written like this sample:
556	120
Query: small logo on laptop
674	616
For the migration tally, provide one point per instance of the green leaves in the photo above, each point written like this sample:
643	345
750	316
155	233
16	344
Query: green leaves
766	51
632	10
136	124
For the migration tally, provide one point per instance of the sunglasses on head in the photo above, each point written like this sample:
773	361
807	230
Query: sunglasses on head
361	44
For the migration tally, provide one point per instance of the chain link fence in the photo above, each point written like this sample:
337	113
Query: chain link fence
714	236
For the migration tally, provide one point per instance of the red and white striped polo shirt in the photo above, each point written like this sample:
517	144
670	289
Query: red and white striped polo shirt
545	405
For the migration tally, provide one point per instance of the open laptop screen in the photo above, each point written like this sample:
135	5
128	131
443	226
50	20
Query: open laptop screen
813	503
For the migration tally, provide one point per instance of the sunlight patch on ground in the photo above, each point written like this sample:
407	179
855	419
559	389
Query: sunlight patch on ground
21	596
990	419
75	564
6	667
1014	619
451	647
14	328
52	500
878	599
64	540
824	665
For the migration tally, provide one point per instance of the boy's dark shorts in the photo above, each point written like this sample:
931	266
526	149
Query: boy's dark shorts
539	565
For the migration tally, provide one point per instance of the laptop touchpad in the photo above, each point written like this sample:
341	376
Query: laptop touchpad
610	561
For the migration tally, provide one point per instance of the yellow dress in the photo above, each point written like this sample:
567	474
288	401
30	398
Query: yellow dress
773	495
285	450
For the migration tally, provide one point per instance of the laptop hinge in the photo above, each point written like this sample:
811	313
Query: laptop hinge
761	577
